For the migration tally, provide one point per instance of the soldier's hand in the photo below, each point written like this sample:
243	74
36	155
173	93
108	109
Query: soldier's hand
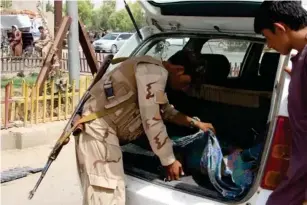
205	126
174	171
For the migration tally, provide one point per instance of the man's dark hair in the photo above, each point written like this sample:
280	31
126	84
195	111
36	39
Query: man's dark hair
290	13
186	58
39	28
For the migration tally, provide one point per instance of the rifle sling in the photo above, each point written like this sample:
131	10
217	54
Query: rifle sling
96	115
99	114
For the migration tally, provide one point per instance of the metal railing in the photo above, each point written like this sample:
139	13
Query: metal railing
53	104
17	64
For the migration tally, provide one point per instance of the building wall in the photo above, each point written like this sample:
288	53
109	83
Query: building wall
31	5
21	5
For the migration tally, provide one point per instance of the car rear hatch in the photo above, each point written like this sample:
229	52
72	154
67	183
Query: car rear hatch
202	16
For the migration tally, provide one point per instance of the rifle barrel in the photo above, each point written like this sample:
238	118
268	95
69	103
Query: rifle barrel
44	171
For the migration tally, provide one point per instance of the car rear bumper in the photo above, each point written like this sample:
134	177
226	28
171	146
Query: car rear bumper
140	192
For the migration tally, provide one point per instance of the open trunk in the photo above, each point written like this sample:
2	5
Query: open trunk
238	108
238	126
141	162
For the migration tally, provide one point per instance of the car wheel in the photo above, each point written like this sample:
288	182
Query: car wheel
114	49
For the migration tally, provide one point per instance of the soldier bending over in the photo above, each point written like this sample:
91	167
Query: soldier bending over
133	95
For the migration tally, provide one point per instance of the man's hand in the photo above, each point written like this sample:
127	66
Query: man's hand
288	70
205	126
174	171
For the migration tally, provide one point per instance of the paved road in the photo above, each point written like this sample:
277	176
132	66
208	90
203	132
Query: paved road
60	186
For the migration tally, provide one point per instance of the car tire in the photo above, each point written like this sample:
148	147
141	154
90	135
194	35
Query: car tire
114	49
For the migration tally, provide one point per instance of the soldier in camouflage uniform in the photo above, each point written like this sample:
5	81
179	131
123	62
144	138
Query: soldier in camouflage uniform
42	45
135	91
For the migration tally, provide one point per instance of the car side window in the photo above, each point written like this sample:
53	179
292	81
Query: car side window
233	49
125	36
165	48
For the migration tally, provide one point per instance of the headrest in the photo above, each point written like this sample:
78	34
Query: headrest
204	68
269	64
216	65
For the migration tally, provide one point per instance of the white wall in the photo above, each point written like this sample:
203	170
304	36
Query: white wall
21	5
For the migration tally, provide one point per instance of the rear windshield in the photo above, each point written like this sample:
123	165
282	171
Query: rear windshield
233	49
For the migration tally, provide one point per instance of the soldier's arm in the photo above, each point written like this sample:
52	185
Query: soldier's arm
178	118
170	114
46	40
151	81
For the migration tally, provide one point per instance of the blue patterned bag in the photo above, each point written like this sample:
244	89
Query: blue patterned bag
205	153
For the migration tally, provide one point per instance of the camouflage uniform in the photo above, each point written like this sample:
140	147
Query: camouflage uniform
43	44
141	80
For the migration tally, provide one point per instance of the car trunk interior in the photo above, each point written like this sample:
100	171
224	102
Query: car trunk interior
238	108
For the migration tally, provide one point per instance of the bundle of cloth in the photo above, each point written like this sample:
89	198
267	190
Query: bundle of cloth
231	174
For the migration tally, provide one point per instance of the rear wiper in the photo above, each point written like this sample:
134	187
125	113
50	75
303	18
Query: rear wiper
133	20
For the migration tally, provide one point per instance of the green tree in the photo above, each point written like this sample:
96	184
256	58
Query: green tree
138	14
85	10
101	15
64	9
6	4
120	20
49	7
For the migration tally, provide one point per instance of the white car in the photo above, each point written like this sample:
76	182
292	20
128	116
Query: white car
250	108
111	42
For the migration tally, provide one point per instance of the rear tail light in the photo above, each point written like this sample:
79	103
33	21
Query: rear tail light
278	160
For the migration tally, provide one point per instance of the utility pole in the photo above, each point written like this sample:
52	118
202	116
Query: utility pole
73	43
57	21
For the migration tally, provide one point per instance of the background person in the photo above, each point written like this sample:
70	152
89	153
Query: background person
16	41
42	45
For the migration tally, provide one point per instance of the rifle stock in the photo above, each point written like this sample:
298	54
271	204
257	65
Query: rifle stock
71	125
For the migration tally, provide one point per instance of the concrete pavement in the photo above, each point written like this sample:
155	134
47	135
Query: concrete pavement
60	185
31	135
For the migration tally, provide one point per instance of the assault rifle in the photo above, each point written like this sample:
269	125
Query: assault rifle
75	124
